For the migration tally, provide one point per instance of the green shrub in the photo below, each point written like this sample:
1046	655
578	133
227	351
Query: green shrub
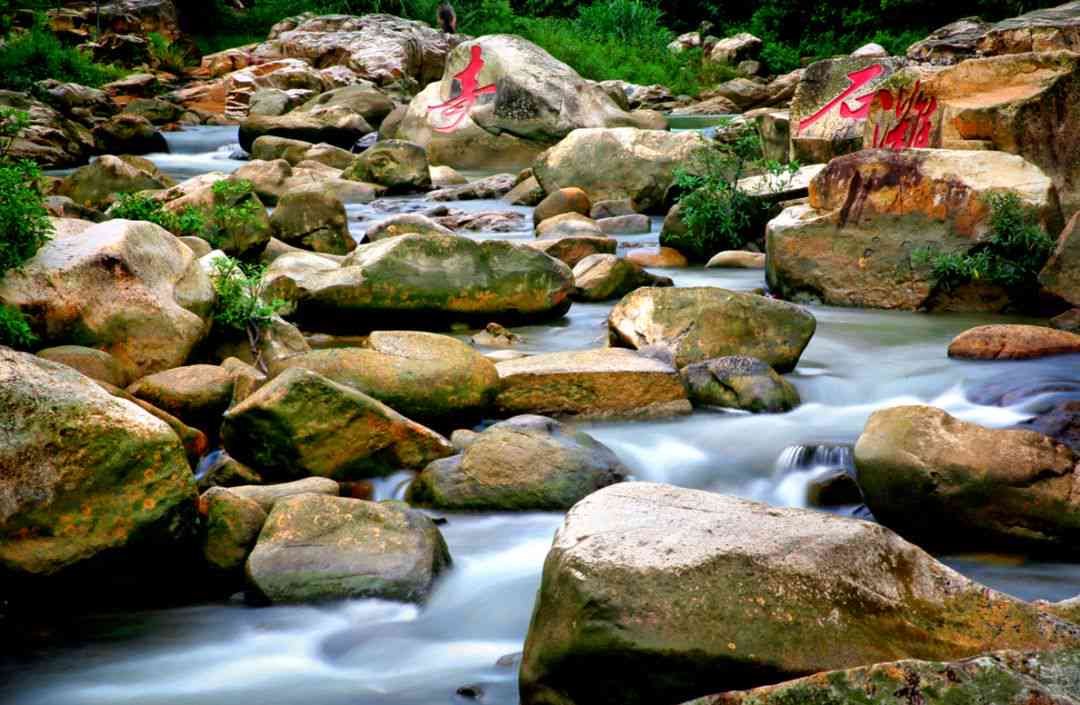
717	215
1012	256
37	54
631	21
238	307
14	330
168	56
231	211
134	206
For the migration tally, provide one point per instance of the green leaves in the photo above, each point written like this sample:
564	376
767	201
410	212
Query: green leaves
134	206
1011	257
14	330
238	306
24	222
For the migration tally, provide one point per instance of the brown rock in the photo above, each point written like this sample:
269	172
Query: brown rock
664	257
95	364
1013	342
565	200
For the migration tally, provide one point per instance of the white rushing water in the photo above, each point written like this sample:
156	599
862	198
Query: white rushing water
367	652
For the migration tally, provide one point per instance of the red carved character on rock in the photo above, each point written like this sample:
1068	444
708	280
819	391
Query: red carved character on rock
454	110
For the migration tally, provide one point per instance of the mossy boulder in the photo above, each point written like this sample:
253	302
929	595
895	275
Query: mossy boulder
196	394
529	463
314	220
604	383
421	375
1001	678
86	476
315	548
694	324
301	424
398	165
233	524
405	224
603	277
99	183
739	383
430	280
337	126
946	482
128	134
715	593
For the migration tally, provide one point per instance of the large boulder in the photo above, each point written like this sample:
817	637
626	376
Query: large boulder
398	165
98	183
718	593
382	49
87	478
312	219
1008	103
1061	275
950	44
1002	678
316	548
529	463
830	105
337	126
51	140
301	423
604	383
364	99
618	163
127	287
734	49
421	375
853	243
947	482
501	101
694	324
1047	29
127	133
431	279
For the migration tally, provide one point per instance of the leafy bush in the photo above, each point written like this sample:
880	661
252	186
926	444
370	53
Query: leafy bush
134	206
14	330
231	211
717	215
37	54
1011	257
238	307
630	21
166	55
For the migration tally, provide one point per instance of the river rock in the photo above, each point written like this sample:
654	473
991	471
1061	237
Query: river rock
714	591
400	166
272	180
1061	275
86	476
314	548
364	99
1005	103
823	127
268	148
663	257
636	224
527	193
405	224
301	423
739	383
428	278
100	181
196	394
127	287
568	225
379	48
737	259
156	110
950	44
421	375
95	364
618	163
225	471
76	101
525	101
948	482
529	463
232	527
490	187
128	134
602	277
1013	342
1002	677
312	219
695	324
571	249
564	200
337	126
266	496
604	383
853	244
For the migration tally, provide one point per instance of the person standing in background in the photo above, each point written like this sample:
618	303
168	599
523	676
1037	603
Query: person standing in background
447	17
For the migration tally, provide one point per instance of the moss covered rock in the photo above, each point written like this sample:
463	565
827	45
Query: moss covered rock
943	481
315	548
85	475
739	383
99	183
694	324
301	424
421	375
95	364
196	394
398	165
312	219
269	495
713	593
431	280
232	526
603	277
525	463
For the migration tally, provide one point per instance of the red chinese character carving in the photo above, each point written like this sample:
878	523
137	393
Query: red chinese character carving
858	79
454	110
913	115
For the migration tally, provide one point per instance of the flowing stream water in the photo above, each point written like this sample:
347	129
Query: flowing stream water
368	652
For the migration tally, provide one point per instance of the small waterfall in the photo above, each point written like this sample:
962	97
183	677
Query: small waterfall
799	467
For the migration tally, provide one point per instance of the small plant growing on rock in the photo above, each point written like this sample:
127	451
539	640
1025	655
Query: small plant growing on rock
239	307
1011	257
167	55
718	216
231	211
134	206
24	222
